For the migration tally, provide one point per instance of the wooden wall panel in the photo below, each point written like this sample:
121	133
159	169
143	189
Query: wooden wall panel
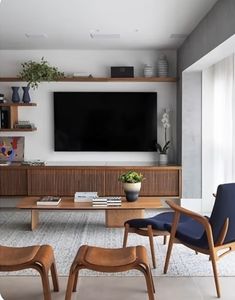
13	182
65	182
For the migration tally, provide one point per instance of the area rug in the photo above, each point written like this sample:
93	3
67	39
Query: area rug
67	231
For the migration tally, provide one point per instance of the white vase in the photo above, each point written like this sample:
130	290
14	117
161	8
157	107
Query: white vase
132	190
163	159
148	71
162	66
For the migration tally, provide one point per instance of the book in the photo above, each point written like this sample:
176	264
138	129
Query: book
84	196
49	200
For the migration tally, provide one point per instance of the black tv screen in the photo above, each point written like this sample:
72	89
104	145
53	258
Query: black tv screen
105	121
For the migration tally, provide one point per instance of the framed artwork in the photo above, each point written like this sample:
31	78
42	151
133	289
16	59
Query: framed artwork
12	148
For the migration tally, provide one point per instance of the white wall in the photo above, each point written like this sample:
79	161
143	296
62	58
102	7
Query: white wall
39	144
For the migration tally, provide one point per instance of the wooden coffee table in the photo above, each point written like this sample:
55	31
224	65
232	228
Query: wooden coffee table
114	216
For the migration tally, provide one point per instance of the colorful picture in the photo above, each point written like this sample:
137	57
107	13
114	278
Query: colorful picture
12	148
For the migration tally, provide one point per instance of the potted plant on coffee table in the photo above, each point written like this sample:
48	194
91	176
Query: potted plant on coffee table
131	184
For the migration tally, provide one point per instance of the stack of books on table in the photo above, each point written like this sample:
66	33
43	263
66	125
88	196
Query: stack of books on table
85	196
49	200
106	201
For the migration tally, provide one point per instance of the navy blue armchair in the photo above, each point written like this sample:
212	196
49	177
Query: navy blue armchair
206	235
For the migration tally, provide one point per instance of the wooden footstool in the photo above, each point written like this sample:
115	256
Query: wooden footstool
110	260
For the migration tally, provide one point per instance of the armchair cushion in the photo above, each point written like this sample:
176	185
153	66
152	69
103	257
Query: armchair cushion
157	222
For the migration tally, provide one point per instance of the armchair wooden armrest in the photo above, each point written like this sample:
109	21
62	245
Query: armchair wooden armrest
181	210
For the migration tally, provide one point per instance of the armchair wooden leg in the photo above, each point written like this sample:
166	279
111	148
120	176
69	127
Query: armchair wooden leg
125	235
150	234
171	241
164	239
150	288
214	266
75	281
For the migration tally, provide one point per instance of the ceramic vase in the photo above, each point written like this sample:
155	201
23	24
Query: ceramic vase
148	71
132	191
15	94
162	66
163	159
26	96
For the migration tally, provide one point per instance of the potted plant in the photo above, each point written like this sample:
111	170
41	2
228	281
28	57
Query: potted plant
131	184
35	72
163	159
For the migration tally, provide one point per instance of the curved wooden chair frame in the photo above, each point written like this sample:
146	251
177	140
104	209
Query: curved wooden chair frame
139	263
150	232
213	249
40	258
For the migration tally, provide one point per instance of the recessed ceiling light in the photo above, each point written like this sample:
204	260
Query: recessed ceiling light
36	35
102	35
178	36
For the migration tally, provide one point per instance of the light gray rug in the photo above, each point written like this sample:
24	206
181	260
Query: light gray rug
67	231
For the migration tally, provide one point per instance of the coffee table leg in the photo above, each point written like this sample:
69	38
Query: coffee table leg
117	217
34	219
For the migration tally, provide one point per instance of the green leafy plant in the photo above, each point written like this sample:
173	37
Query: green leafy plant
131	177
34	72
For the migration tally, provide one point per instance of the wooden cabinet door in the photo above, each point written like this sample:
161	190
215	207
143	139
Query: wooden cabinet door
163	183
13	182
157	182
65	182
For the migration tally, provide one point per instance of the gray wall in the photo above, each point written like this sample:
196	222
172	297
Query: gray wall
215	28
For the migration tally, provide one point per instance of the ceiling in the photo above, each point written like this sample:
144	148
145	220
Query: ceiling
118	24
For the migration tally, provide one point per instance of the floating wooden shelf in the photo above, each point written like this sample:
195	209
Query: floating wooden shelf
12	109
102	79
7	104
18	129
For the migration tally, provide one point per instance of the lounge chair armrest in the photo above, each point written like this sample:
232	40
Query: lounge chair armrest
201	219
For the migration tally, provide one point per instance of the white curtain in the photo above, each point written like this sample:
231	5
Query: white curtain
218	128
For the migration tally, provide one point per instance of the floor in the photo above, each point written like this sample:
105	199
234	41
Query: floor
116	288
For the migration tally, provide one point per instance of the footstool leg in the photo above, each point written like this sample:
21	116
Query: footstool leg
75	280
70	285
54	277
146	271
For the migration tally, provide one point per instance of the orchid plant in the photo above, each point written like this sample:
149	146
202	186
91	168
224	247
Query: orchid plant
166	125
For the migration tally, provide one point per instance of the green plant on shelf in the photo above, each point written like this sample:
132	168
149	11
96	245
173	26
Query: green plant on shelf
35	72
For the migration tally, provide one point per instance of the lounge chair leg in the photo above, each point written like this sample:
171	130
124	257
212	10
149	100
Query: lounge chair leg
150	234
164	239
214	266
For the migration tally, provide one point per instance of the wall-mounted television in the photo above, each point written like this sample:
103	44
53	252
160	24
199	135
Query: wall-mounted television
105	121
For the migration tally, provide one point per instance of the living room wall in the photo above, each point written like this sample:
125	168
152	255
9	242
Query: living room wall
217	27
39	144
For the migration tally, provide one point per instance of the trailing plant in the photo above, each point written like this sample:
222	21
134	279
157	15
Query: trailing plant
131	177
34	72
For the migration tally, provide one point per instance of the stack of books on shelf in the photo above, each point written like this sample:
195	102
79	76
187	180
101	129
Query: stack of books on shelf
49	200
4	118
106	201
85	196
24	125
33	163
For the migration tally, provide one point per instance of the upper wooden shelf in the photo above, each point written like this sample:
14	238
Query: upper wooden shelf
102	79
17	104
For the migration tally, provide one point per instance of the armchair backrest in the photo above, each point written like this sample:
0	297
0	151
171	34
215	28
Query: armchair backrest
224	208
